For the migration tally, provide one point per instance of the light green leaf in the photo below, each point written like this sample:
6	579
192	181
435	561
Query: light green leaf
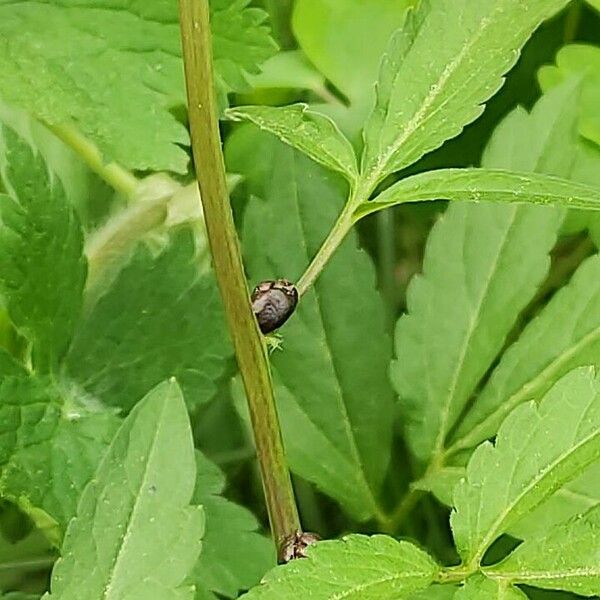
234	556
331	378
565	334
160	318
484	185
481	588
310	132
441	483
345	40
584	61
357	568
566	557
573	499
42	268
289	69
538	450
595	4
482	265
115	71
460	50
135	535
434	592
50	446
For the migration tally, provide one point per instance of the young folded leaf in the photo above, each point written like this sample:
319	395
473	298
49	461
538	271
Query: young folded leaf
484	185
565	335
356	567
538	450
42	267
435	78
310	132
566	557
135	534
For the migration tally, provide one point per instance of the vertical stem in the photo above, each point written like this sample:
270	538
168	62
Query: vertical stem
249	347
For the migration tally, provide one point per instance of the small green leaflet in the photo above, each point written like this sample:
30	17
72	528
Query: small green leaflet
565	334
483	264
356	567
458	67
484	185
481	588
538	449
565	557
135	534
159	318
50	446
310	132
331	380
42	267
579	60
234	555
116	72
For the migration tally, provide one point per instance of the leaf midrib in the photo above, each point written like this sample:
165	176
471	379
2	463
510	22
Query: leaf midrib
106	593
497	526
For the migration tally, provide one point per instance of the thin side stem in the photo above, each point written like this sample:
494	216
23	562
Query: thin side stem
119	178
335	237
249	346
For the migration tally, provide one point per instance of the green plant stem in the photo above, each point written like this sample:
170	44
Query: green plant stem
115	175
248	343
335	237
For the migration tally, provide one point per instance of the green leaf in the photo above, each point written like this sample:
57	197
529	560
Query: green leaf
482	265
345	40
584	61
357	568
537	451
459	67
435	592
310	132
50	446
484	185
115	71
564	335
135	535
331	378
566	557
234	556
42	268
9	365
573	499
481	588
159	318
595	4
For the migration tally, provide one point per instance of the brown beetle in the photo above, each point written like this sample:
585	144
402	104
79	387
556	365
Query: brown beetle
273	303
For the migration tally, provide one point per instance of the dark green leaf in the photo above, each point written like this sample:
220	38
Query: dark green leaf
160	318
42	268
